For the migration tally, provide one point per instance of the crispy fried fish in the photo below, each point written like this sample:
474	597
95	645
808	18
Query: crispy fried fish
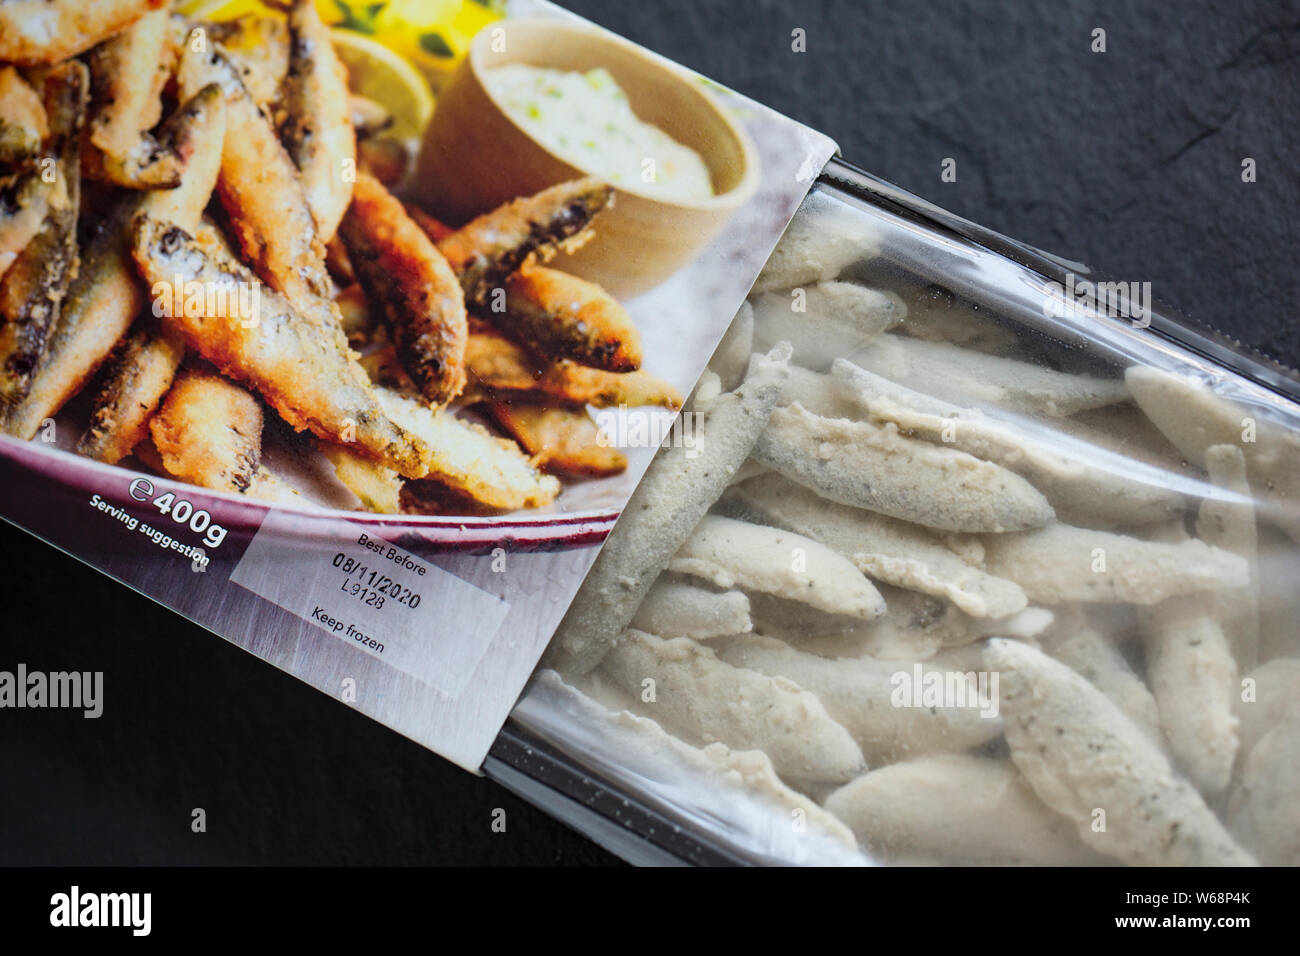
128	74
471	460
378	487
486	250
317	128
434	228
33	32
209	432
403	271
263	197
564	317
297	370
497	363
25	198
106	294
23	126
142	371
561	440
383	368
33	288
259	46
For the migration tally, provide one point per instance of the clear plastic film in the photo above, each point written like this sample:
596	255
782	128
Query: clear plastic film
981	565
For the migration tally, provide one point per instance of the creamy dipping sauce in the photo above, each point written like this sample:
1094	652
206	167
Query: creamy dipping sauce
585	118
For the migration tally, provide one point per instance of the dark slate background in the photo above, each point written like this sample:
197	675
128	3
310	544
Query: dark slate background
1129	160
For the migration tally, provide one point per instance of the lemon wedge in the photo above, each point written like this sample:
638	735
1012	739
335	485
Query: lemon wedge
377	72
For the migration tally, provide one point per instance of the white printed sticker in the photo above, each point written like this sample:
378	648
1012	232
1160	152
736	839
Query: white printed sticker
375	596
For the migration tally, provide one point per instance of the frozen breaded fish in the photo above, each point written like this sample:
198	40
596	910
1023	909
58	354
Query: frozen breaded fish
741	778
1087	761
1227	520
107	294
965	377
1274	693
209	432
730	554
1264	808
1079	479
34	32
749	469
678	609
1279	599
1098	659
731	357
902	634
876	467
885	549
1193	676
677	489
826	320
819	393
1195	419
705	700
825	237
865	696
937	315
957	809
916	627
141	374
706	390
1065	563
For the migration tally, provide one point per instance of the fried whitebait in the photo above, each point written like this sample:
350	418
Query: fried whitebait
405	274
107	294
486	250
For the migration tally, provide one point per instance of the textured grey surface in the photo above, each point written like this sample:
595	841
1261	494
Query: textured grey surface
1129	160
